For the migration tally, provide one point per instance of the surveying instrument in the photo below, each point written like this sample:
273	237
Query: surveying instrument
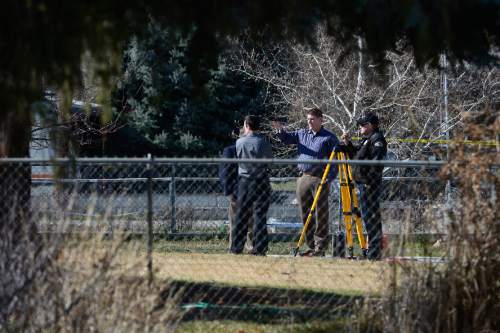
313	206
350	210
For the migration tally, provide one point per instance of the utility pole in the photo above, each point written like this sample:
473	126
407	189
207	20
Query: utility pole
445	133
445	128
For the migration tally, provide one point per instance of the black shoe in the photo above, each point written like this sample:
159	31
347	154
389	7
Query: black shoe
235	252
319	254
374	257
313	253
307	253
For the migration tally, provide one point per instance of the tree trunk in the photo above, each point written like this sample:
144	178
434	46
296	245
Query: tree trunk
15	178
18	240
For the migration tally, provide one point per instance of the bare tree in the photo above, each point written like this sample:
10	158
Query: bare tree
344	82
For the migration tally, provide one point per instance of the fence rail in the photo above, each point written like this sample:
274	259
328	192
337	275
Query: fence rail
205	160
184	196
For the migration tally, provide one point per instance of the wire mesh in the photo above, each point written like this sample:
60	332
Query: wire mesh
232	263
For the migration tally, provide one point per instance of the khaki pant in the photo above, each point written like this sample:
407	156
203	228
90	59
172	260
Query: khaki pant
317	232
232	222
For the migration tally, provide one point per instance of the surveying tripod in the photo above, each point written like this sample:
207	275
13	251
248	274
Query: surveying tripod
350	207
314	205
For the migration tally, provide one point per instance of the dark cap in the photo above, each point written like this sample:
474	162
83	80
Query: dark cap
368	117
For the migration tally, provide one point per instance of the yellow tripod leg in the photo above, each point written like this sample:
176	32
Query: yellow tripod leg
346	202
359	228
313	207
357	213
347	210
357	219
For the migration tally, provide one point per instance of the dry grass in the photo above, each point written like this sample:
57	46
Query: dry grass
75	284
325	274
342	276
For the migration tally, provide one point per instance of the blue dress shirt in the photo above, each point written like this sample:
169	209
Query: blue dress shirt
312	147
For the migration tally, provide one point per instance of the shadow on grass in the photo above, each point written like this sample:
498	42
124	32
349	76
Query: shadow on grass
210	301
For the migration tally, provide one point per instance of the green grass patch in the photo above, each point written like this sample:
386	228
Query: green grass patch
215	246
290	186
419	247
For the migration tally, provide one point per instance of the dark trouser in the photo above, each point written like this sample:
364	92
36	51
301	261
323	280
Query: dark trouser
232	222
317	231
253	195
370	207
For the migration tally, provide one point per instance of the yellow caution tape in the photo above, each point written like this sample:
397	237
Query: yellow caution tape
442	142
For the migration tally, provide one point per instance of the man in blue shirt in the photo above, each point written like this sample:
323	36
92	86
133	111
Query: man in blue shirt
313	143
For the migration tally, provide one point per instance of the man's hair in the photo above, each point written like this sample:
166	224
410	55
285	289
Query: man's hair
253	122
316	112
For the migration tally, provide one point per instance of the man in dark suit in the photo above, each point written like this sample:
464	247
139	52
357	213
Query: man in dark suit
228	175
254	189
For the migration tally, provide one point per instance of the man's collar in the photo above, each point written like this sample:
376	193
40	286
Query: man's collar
311	131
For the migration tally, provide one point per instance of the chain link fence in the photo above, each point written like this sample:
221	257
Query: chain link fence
176	213
187	199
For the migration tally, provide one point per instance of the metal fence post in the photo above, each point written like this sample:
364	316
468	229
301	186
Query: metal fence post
149	171
172	200
493	195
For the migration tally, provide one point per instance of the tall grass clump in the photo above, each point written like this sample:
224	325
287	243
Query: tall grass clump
78	282
463	293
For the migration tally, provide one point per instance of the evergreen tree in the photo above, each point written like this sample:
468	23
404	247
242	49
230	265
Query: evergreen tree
168	109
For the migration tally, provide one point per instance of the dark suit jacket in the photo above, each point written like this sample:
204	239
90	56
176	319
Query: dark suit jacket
228	172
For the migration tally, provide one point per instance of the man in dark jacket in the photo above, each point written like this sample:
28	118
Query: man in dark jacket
228	176
372	147
254	189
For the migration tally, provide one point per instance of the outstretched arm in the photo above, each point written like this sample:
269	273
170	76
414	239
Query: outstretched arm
284	136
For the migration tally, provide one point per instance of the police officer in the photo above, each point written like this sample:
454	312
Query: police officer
372	147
